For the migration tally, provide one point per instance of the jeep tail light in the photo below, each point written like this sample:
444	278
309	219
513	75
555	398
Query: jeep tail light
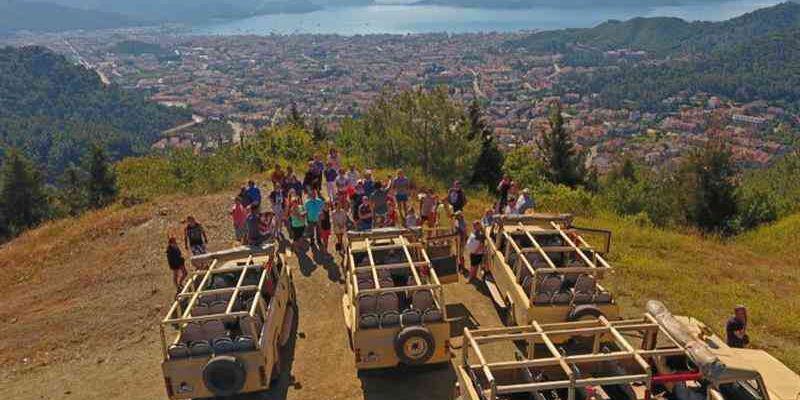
168	384
358	355
263	373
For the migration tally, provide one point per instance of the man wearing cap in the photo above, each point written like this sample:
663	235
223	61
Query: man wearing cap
736	328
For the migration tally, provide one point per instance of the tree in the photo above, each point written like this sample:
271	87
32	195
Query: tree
296	118
489	167
318	130
22	199
414	129
101	184
714	193
563	164
73	190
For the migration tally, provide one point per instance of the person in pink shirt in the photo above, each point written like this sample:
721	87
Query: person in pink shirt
239	215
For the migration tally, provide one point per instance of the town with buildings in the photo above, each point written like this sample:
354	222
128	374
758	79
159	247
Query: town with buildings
252	81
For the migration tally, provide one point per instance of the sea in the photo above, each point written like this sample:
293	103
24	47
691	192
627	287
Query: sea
408	19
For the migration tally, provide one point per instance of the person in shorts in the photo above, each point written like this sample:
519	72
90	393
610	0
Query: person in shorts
297	224
427	208
340	220
476	246
194	236
401	186
313	207
176	263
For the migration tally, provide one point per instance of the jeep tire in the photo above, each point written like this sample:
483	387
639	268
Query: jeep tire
224	375
414	345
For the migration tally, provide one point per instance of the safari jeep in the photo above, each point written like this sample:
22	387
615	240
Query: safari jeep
657	356
394	305
223	334
538	267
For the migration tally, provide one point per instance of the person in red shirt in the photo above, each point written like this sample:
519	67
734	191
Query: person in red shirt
239	216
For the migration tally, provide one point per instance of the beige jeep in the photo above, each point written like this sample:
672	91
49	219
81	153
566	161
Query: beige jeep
657	356
539	267
223	334
394	305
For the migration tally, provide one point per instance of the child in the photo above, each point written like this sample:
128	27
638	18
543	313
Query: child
411	219
325	227
176	263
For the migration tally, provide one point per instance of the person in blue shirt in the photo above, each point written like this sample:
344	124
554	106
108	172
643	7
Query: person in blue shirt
313	208
369	183
253	193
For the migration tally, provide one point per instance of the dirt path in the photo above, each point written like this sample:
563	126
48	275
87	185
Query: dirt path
86	326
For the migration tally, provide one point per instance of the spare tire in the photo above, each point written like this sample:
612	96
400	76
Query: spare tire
414	345
584	312
224	375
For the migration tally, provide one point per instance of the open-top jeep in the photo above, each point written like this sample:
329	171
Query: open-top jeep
222	336
394	305
656	356
539	267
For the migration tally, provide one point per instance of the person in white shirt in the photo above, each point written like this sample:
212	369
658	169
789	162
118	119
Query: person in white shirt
476	246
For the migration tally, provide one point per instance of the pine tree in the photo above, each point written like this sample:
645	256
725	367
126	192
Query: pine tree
295	117
22	199
73	190
101	185
318	131
489	167
714	192
563	164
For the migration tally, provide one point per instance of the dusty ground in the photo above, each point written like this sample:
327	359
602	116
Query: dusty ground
83	297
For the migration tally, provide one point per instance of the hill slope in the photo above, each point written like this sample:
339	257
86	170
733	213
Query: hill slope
53	109
18	15
668	36
98	286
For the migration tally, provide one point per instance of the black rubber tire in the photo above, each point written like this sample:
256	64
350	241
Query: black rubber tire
224	375
583	311
414	337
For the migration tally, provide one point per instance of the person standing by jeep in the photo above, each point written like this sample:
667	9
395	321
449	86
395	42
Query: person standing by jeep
736	328
313	208
239	215
456	197
380	206
401	186
176	263
194	236
476	248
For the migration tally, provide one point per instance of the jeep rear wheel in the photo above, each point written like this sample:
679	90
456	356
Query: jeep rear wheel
224	375
414	345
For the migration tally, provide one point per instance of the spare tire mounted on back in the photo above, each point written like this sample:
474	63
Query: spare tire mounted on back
414	345
224	375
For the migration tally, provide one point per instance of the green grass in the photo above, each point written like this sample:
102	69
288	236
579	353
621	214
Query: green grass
705	278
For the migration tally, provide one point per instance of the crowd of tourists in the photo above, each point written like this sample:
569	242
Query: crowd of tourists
332	199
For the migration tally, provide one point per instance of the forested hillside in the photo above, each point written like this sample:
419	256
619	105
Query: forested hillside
667	36
766	68
53	110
